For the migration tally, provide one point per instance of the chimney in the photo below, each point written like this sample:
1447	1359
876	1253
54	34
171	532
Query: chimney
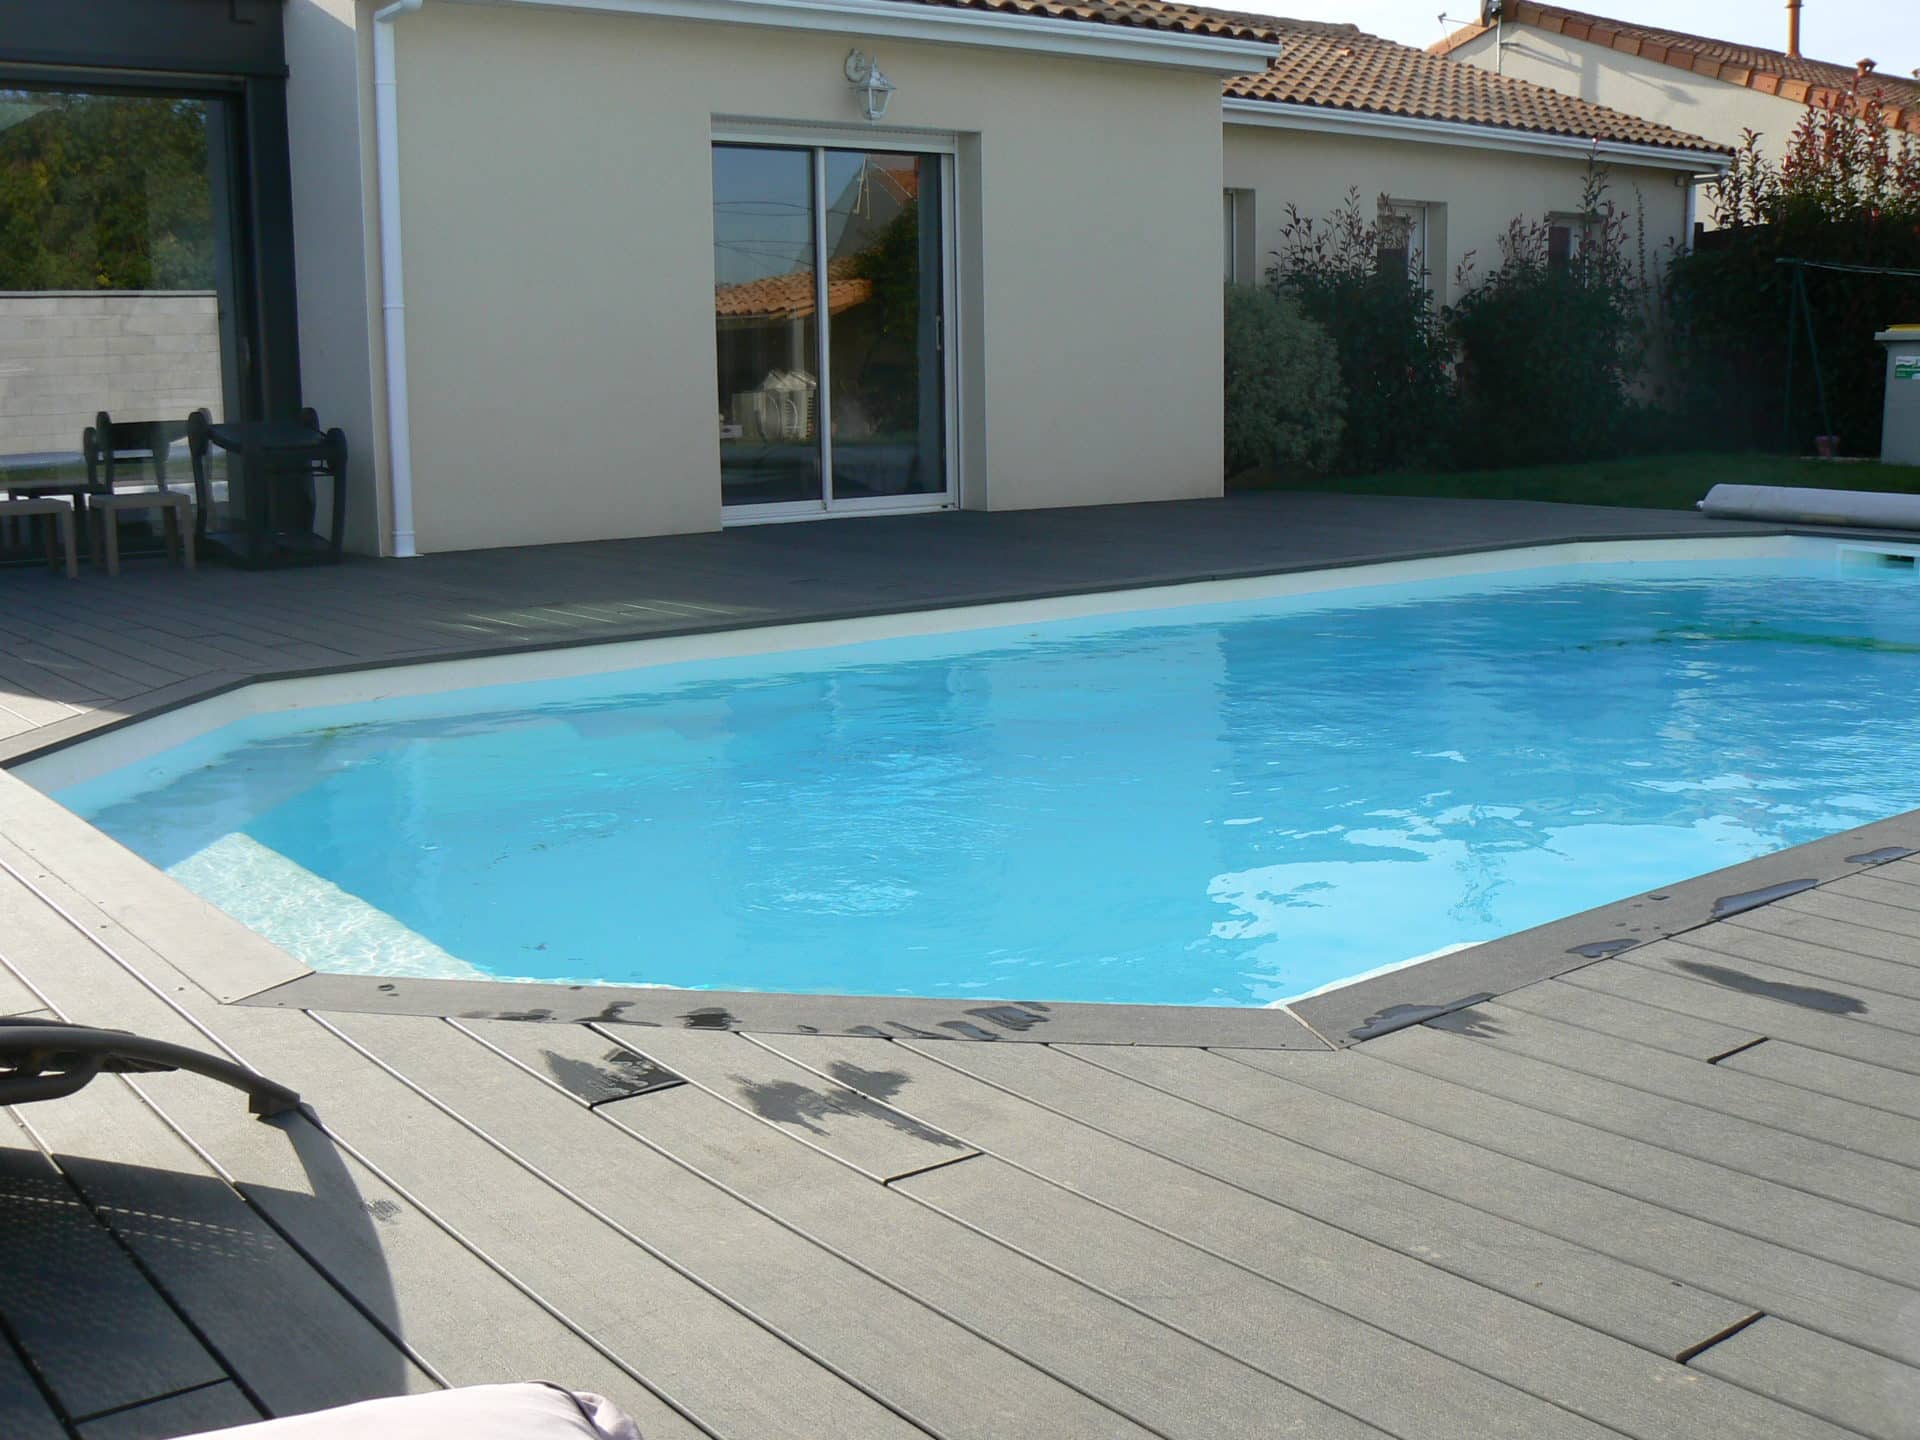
1793	28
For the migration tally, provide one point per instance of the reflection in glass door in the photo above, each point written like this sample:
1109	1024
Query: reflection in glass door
875	436
117	288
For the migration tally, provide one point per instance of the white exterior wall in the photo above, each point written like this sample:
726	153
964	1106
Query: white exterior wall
557	212
1712	109
137	354
336	245
1471	193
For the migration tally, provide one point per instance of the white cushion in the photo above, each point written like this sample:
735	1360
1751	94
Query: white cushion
479	1412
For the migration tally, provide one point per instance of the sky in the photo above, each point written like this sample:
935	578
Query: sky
1842	31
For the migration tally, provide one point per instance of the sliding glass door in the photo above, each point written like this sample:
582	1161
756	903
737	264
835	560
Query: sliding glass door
856	236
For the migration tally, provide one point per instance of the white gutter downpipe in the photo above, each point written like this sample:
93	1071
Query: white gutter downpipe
393	302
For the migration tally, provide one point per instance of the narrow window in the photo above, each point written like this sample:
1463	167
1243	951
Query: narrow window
1402	246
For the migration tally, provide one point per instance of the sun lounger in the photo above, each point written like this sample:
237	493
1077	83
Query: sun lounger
46	1059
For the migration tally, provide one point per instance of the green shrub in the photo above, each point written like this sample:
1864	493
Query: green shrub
1548	347
1283	395
1393	349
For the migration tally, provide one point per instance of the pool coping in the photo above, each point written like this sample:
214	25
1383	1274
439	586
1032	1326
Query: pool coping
1349	1013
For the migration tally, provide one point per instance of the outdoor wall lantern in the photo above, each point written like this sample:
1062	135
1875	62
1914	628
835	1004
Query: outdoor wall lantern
863	73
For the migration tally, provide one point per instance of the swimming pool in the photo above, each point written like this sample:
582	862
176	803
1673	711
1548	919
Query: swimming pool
1225	804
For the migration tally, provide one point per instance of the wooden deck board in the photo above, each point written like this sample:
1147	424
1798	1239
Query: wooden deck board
1605	1379
1772	1152
211	1407
1156	1376
25	1413
1668	1184
1866	1393
1870	1086
1334	1194
1835	968
96	1331
1647	1025
1769	1106
1732	1004
1715	1260
656	1320
1783	987
1870	914
215	1257
847	1124
895	1349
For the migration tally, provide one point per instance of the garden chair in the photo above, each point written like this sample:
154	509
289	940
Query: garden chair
48	1059
106	445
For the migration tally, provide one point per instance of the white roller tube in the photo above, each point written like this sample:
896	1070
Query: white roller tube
1860	509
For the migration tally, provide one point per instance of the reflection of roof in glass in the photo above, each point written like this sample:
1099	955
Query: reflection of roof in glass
790	296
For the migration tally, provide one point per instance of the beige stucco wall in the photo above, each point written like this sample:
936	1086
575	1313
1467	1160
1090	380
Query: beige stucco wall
137	354
336	245
557	178
1473	192
1711	108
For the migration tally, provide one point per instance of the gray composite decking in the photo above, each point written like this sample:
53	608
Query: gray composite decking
1666	1193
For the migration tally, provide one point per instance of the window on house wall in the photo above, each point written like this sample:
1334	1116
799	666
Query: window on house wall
1566	238
1236	228
1402	228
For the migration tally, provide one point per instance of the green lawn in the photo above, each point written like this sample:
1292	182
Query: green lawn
1661	482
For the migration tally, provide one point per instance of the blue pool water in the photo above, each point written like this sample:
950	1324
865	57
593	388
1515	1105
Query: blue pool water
1227	804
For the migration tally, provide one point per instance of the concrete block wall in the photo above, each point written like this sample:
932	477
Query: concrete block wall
66	355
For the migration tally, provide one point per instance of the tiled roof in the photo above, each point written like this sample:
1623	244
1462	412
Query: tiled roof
1344	68
1140	14
1771	72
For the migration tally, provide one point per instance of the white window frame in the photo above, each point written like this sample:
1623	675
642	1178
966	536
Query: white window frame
1237	224
818	139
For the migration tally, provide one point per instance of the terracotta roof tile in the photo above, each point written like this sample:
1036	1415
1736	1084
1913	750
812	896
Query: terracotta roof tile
1141	14
1794	77
1344	68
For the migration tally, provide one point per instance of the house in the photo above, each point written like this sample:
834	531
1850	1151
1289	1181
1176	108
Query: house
1449	153
1710	87
570	270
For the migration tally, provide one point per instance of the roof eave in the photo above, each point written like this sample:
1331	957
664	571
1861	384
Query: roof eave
1085	39
1288	115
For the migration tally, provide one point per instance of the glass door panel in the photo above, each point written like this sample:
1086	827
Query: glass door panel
885	287
116	276
765	303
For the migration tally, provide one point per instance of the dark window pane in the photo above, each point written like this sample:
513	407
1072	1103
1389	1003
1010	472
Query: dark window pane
766	324
1559	246
884	302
